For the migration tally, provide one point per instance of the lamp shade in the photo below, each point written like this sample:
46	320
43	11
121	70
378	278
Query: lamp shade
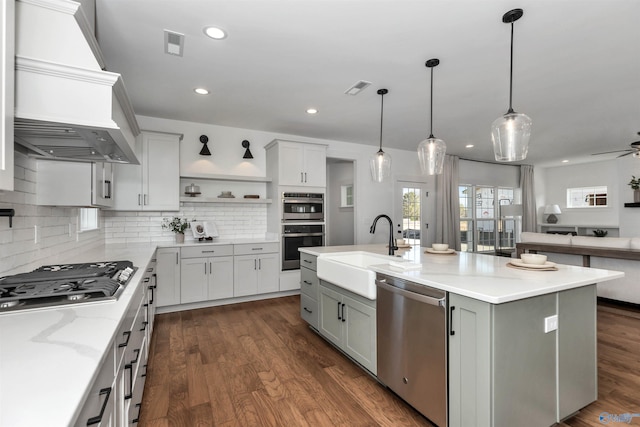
510	136
431	154
380	166
552	209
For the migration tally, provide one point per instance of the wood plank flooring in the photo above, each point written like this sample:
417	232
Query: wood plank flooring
258	364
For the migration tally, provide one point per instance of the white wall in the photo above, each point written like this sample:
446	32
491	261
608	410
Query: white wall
340	220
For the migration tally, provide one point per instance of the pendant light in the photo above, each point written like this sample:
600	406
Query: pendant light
381	161
510	133
431	151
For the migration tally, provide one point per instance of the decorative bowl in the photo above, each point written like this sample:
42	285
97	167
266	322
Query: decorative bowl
440	247
533	259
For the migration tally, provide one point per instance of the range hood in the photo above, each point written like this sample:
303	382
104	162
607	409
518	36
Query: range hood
66	106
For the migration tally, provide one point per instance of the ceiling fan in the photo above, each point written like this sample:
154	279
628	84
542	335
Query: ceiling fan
635	150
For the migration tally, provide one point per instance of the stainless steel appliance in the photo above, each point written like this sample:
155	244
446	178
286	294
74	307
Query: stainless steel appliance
302	207
65	284
411	322
295	236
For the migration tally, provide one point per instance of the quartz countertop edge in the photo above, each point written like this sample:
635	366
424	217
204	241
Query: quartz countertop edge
483	277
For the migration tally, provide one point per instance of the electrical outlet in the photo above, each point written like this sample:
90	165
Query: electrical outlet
550	323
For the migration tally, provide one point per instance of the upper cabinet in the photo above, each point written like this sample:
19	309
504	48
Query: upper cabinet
297	163
6	93
74	184
154	184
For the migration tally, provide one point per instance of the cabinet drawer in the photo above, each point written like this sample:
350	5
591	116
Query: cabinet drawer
101	398
308	261
309	282
206	251
255	248
309	310
126	329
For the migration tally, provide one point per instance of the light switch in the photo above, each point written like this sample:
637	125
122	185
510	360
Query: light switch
550	323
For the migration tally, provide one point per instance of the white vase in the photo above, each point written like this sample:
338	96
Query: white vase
179	237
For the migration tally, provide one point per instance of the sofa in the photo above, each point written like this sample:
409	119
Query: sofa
609	253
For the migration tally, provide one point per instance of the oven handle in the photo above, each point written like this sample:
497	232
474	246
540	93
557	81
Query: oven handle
302	200
302	234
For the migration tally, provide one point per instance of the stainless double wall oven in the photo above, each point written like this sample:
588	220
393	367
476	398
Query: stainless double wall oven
302	225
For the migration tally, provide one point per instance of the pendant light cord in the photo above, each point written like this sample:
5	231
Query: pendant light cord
431	109
381	115
511	74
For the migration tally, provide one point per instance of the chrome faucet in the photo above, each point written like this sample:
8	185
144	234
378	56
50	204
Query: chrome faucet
372	230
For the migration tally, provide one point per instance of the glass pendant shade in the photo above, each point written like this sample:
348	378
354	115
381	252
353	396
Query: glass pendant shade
510	136
380	166
431	154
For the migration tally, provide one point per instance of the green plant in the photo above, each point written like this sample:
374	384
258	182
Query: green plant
177	225
600	233
635	183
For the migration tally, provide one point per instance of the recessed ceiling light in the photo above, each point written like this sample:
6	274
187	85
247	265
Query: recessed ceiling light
201	91
215	33
312	111
469	146
565	161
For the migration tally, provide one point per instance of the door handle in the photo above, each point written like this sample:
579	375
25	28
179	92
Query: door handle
343	316
451	331
107	189
301	177
339	303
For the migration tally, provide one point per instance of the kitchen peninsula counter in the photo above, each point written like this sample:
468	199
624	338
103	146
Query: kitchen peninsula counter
482	277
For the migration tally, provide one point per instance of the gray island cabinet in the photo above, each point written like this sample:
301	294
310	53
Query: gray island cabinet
521	345
505	370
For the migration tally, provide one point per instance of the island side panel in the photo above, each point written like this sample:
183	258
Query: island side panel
524	363
577	350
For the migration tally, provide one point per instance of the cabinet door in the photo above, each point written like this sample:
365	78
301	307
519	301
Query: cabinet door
7	41
161	171
315	165
168	276
194	276
330	321
290	164
268	273
469	362
102	184
245	278
221	277
360	333
127	188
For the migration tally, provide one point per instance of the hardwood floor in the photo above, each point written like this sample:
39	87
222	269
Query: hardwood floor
258	364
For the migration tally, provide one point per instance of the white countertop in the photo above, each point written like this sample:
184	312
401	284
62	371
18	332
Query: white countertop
482	277
49	356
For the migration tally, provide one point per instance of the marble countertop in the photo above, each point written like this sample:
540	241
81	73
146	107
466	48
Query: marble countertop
482	277
49	357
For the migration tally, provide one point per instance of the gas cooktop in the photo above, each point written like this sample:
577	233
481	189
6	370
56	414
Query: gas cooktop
65	284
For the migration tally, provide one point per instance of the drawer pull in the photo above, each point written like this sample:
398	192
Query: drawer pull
128	335
307	310
136	419
307	282
208	252
130	394
98	418
256	249
307	261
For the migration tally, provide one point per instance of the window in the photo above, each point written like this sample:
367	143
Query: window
88	219
411	218
587	197
346	196
480	222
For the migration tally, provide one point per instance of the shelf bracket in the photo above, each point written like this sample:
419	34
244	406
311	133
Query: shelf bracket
10	213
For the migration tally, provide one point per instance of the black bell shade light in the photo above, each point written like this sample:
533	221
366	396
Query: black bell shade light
205	150
381	162
431	151
510	133
247	153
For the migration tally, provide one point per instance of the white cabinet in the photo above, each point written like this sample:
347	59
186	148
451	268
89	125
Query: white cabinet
297	163
167	276
155	184
7	39
74	184
349	322
206	273
256	269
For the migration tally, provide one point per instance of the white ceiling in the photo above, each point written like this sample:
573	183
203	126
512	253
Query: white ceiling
576	69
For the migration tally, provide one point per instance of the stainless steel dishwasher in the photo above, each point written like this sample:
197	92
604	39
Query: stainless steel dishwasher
412	344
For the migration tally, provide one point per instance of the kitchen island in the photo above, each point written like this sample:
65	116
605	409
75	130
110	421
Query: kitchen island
520	345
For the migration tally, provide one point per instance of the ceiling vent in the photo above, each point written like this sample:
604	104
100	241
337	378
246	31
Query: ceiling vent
173	43
357	87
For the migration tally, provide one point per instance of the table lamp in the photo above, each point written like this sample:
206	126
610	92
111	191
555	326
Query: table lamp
552	211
